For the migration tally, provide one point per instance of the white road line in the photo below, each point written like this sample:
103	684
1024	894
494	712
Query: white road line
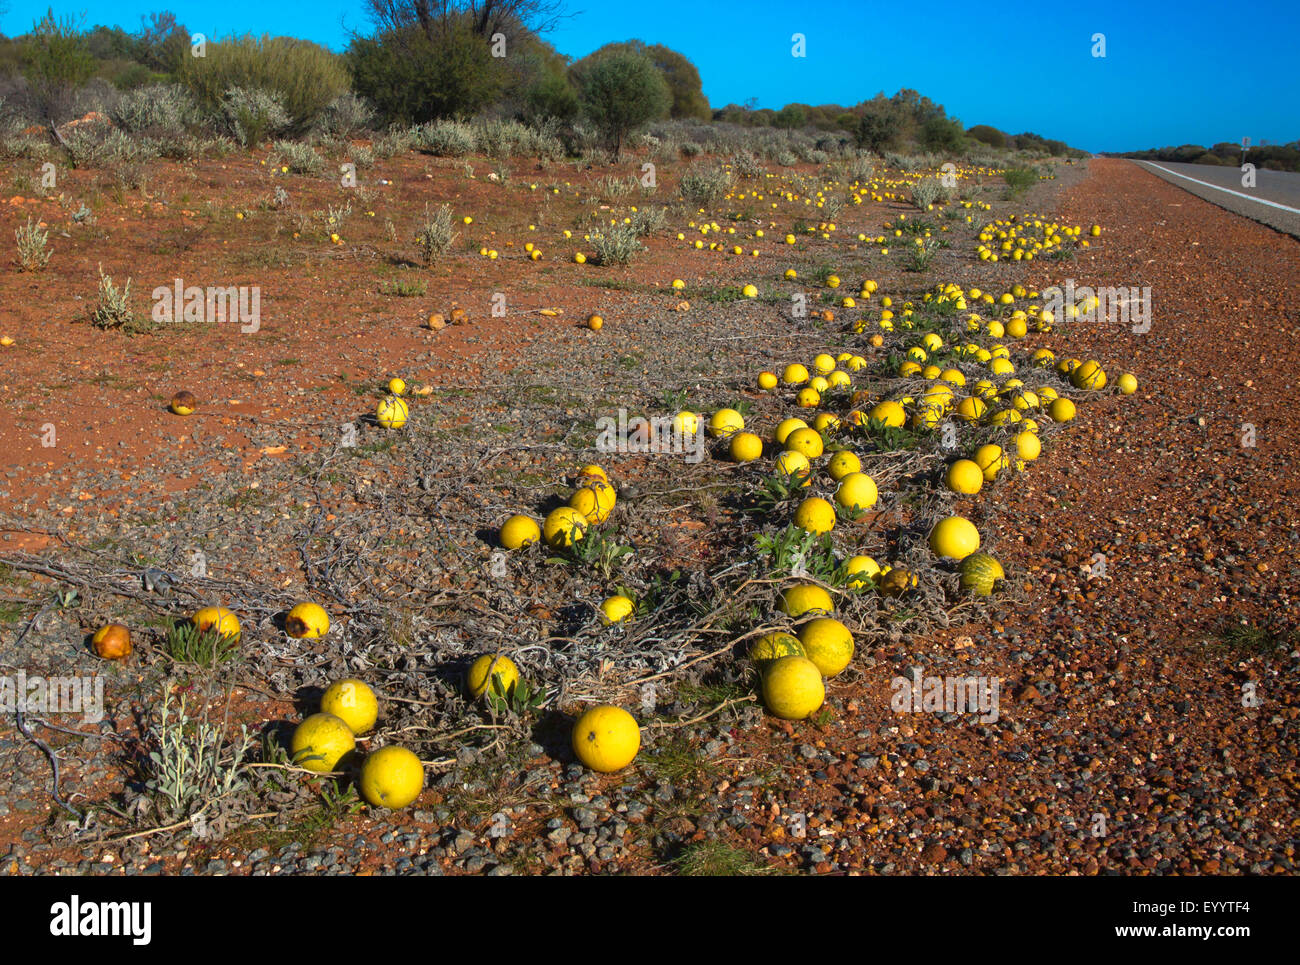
1248	197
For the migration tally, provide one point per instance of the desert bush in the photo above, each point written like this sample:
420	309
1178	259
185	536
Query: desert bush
299	158
435	233
302	77
56	63
786	159
648	220
114	307
745	164
26	146
191	763
101	145
905	162
500	138
444	138
922	253
396	140
691	148
156	110
32	253
11	120
1020	179
705	184
860	169
347	116
252	114
615	245
612	188
926	192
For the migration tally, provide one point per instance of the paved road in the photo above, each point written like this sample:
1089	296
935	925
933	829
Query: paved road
1274	200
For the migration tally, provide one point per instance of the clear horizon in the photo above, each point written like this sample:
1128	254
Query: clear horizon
1187	59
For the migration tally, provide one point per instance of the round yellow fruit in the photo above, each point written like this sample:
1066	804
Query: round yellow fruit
320	742
745	447
492	670
217	618
724	422
1061	410
815	515
606	738
767	381
352	702
842	464
826	422
964	477
791	463
1089	375
184	403
1127	383
112	642
392	412
616	609
686	422
991	460
808	398
397	386
391	777
805	599
793	688
827	643
564	527
895	581
861	571
806	441
307	621
787	426
774	646
1028	446
595	500
519	531
954	537
857	491
794	374
889	412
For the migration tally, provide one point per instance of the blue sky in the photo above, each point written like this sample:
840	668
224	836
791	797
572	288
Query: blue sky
1192	72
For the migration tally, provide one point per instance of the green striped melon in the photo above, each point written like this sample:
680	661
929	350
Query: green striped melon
773	646
979	573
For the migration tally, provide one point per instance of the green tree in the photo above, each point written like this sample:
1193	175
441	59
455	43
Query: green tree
620	92
539	87
412	76
56	63
683	79
941	135
988	135
790	117
879	127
